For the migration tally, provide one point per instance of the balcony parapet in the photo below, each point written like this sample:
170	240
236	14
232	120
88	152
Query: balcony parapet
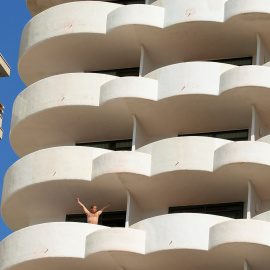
186	170
56	38
45	245
85	107
180	238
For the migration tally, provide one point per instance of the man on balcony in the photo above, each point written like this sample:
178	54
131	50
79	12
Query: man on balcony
93	214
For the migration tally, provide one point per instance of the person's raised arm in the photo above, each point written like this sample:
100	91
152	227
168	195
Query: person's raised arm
84	208
105	207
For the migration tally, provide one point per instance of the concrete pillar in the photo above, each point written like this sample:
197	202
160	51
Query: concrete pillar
246	266
146	63
134	211
258	128
254	202
262	54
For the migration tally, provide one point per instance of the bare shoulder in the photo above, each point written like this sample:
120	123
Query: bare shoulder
99	213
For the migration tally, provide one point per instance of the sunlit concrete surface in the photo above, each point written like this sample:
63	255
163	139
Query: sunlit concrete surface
92	42
211	96
203	170
216	242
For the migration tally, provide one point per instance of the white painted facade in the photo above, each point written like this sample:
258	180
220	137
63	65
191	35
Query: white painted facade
180	90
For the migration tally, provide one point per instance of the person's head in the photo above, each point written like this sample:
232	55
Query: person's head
93	208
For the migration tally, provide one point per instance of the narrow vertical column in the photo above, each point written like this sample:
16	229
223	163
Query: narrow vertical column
246	266
258	128
146	63
133	148
262	54
140	138
254	202
134	211
252	129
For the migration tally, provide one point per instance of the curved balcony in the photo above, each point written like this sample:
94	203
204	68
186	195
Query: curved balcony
263	216
249	9
47	183
63	110
111	37
245	160
70	108
185	170
46	245
190	240
241	239
65	43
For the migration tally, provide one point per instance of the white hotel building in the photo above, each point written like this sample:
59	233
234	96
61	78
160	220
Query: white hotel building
161	107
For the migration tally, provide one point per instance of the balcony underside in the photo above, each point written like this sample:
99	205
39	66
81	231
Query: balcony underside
191	241
184	98
171	172
111	37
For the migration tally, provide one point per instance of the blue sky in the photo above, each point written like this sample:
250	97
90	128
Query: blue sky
14	16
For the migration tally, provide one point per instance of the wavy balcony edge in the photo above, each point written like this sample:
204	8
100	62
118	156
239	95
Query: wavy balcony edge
68	172
61	100
86	34
203	233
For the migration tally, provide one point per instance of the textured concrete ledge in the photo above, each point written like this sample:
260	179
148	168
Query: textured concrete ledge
85	107
203	170
178	237
223	30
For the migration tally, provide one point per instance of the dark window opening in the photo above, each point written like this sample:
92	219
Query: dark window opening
125	72
230	210
233	135
120	145
110	219
244	61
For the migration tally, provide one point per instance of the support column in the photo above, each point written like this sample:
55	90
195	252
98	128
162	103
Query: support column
258	128
146	63
262	54
254	202
246	266
134	211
